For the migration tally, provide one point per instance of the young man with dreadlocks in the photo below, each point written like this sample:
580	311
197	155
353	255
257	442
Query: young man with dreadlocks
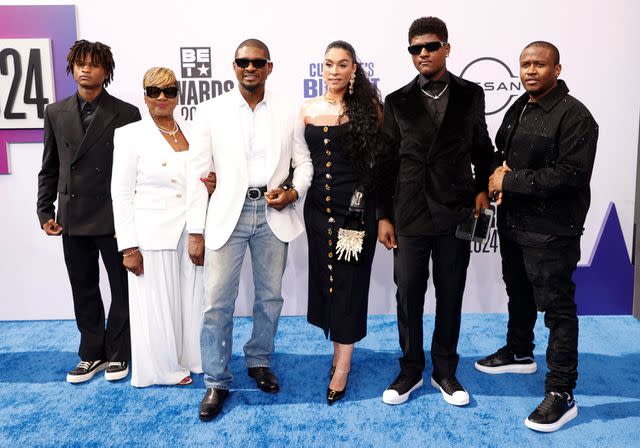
76	168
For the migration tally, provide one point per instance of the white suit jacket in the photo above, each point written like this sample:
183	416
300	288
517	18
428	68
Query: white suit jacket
218	141
148	187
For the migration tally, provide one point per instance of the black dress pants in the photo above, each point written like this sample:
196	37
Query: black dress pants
539	278
81	257
450	258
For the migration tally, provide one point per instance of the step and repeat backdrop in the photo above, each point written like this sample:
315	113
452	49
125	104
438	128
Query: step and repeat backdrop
197	40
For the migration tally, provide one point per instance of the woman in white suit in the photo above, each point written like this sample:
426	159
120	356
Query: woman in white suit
166	289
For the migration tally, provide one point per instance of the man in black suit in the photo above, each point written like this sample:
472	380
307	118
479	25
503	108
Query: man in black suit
76	167
434	130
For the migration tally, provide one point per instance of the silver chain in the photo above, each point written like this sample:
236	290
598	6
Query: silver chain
435	97
170	133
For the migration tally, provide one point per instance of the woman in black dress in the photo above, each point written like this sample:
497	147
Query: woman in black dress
342	133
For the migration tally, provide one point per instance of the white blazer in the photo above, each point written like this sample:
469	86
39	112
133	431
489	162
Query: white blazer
218	141
148	187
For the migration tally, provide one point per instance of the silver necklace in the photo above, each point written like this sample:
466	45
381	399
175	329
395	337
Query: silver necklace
435	97
171	133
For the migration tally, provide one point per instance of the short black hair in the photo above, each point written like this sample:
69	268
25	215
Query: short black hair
100	54
548	45
429	25
255	43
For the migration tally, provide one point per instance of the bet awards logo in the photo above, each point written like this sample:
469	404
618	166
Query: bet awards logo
314	85
497	80
195	62
197	85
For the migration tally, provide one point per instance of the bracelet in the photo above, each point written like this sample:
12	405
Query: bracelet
133	251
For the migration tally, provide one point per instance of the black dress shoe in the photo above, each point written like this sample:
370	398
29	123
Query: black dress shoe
336	395
265	379
211	404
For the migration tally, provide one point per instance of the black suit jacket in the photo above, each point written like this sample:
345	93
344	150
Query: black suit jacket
76	166
429	168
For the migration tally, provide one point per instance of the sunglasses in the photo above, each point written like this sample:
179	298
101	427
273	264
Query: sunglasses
154	92
429	46
257	63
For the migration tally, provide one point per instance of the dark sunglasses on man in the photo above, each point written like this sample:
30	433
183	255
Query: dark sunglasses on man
154	92
429	46
257	63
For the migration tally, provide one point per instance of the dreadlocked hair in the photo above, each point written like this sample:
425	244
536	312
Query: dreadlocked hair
100	54
363	141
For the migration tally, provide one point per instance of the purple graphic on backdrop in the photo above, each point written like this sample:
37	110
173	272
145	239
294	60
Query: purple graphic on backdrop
57	23
605	285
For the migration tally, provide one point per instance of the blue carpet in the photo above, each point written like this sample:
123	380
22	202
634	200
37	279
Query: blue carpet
38	408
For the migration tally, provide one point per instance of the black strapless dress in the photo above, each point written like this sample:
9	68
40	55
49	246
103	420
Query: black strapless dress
338	291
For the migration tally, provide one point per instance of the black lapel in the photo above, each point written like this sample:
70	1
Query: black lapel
72	122
457	107
102	118
416	113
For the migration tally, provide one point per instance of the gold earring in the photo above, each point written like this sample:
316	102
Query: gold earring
352	81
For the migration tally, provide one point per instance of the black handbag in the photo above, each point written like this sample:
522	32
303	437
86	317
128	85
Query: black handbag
351	235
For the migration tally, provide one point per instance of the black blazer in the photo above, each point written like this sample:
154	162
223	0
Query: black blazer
446	184
76	166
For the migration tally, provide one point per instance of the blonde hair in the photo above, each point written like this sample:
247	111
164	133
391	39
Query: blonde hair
159	77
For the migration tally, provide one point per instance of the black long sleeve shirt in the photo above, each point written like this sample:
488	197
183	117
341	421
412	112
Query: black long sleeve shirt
550	146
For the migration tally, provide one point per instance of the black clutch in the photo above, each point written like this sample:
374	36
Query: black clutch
351	234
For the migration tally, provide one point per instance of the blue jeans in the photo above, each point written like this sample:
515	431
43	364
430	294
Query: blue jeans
222	275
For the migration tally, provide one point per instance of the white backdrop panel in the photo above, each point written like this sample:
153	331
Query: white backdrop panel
598	44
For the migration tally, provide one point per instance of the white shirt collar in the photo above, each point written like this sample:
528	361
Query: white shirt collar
243	103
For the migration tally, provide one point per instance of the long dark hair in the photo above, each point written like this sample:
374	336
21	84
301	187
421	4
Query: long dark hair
363	141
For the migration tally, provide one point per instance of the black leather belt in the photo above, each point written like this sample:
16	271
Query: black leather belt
256	192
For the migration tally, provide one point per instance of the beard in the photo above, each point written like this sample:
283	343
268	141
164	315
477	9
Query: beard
252	88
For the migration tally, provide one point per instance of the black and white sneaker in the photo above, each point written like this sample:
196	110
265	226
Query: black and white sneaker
85	370
503	361
452	391
398	392
116	370
555	410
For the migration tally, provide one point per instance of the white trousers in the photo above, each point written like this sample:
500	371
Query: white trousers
165	311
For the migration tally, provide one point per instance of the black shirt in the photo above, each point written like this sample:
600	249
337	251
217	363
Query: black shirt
550	146
87	109
436	104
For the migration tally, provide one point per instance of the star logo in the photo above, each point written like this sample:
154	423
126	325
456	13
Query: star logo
204	70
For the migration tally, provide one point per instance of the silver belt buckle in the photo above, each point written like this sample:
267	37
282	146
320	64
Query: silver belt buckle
253	193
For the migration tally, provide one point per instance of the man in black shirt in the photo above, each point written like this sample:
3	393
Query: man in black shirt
76	170
434	131
546	146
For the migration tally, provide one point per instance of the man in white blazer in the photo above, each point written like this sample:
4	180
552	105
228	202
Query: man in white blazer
247	136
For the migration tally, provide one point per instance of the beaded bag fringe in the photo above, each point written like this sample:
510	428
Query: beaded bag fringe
349	244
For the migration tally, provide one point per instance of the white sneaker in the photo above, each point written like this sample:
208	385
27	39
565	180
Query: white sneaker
452	391
400	390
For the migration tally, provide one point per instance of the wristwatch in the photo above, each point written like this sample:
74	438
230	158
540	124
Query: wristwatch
290	186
